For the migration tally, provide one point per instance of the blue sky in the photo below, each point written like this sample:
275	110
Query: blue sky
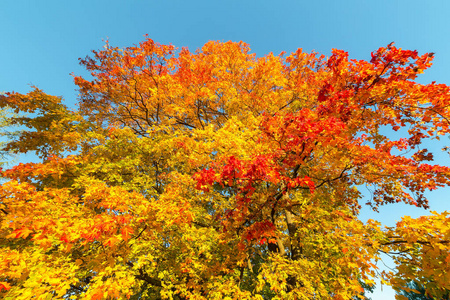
41	41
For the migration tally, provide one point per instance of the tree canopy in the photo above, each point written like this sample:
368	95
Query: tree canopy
217	174
415	291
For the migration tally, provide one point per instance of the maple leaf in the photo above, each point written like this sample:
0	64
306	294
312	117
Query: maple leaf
126	233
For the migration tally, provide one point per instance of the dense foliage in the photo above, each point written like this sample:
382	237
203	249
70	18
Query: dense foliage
220	175
415	291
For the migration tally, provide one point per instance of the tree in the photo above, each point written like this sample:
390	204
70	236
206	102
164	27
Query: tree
220	175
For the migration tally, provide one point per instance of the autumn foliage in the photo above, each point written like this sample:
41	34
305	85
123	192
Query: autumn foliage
220	175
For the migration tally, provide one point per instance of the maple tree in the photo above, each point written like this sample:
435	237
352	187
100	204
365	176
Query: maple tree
221	175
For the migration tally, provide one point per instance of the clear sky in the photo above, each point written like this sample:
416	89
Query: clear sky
41	41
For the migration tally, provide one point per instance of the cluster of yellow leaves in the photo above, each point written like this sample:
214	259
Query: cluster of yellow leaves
219	175
424	252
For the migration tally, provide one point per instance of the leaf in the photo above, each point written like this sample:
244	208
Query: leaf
126	233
